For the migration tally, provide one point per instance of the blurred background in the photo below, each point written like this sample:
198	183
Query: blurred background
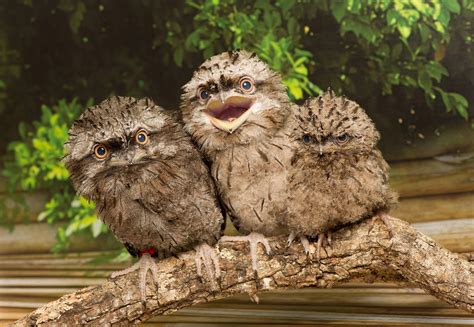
410	64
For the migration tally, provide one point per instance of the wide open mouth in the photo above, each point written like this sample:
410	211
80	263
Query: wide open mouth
230	114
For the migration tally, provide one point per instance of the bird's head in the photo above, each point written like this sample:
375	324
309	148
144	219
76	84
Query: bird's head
233	98
118	142
330	125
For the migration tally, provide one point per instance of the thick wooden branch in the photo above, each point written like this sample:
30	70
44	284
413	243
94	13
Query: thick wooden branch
364	250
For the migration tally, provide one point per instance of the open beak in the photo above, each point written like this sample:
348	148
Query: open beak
228	115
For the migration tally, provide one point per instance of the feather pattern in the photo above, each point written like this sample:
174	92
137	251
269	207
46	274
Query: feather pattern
157	195
337	176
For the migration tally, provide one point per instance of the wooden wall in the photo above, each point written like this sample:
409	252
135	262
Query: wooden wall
437	197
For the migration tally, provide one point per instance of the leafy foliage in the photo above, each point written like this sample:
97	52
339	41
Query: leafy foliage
399	37
37	165
267	28
382	53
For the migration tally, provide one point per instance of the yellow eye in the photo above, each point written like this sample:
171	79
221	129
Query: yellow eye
101	151
247	84
141	137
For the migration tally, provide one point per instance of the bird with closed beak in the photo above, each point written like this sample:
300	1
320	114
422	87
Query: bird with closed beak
337	174
148	181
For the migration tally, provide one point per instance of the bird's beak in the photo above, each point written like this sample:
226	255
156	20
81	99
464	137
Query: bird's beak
228	113
117	162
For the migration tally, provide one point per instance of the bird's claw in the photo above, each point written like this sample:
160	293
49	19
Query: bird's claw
253	239
322	237
145	264
208	256
304	241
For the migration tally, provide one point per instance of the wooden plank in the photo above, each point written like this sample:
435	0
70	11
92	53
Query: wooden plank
433	176
15	272
40	238
32	292
435	207
451	136
37	282
456	235
306	317
341	305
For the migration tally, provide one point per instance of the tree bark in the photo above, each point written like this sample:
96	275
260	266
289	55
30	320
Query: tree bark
364	250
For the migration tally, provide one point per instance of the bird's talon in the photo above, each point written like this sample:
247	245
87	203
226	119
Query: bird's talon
253	239
207	256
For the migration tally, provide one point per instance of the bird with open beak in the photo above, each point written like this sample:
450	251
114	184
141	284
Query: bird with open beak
236	108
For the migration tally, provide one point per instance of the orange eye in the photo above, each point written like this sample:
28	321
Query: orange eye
247	84
141	137
101	151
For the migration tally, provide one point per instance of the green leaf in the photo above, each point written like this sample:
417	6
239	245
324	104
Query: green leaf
96	227
452	5
460	99
178	56
301	70
338	9
424	80
425	32
446	100
404	28
436	70
462	111
294	88
392	17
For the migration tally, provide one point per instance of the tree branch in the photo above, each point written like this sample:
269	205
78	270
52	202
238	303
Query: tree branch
364	250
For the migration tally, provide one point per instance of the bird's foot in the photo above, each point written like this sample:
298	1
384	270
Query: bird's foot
253	239
207	255
145	264
322	237
304	241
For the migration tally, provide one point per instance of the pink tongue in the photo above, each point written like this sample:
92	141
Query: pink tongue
231	113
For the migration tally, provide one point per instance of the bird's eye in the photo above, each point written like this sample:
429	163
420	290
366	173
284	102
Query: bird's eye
307	138
247	84
342	139
141	137
203	93
101	151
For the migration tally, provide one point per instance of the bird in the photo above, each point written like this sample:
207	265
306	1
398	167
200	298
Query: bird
337	175
148	181
236	109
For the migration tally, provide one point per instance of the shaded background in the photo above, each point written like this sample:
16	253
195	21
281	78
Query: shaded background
410	64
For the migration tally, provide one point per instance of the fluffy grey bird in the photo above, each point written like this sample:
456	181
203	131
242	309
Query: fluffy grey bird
236	109
337	176
150	184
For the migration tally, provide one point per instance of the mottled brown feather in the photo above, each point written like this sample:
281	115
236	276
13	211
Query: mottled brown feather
165	199
333	184
250	165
